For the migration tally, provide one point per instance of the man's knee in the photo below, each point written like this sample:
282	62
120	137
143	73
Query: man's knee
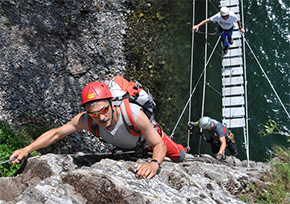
235	154
181	158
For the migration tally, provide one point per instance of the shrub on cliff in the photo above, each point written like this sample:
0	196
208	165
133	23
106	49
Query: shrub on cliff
277	189
9	141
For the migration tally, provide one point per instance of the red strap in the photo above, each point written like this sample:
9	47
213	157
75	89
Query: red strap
90	125
127	86
128	118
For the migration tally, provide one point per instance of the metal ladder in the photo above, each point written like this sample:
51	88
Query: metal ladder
233	90
234	81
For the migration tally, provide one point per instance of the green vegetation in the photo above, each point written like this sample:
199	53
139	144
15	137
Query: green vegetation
32	127
277	189
4	20
64	19
150	44
271	128
7	22
10	141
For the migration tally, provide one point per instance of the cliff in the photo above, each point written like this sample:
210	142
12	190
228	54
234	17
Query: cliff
49	51
92	179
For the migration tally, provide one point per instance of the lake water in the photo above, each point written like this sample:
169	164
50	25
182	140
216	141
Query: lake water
267	32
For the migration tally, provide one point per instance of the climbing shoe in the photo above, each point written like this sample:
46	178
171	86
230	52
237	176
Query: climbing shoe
226	49
231	41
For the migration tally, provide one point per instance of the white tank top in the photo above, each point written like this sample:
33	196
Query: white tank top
120	136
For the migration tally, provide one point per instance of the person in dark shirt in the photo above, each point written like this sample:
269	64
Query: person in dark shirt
220	136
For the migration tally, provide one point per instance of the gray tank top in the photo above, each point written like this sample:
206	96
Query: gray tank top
120	136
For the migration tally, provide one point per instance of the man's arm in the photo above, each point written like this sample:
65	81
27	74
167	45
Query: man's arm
49	137
153	138
242	30
196	27
223	146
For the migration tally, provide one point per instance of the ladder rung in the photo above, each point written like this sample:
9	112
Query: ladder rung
229	2
230	71
236	90
234	123
235	61
233	112
237	43
233	101
229	81
236	34
235	9
234	52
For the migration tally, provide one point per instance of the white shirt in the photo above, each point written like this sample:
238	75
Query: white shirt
225	24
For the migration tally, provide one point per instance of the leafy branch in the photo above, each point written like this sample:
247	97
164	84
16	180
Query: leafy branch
271	128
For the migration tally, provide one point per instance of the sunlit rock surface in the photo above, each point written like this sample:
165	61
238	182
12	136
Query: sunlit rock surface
111	179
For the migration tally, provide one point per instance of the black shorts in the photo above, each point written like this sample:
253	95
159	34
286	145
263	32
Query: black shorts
215	147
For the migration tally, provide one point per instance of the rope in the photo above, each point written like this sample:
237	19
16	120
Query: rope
246	131
205	33
214	6
204	77
172	133
266	76
191	71
214	88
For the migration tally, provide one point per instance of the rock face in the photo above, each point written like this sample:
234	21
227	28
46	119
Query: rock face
95	179
50	50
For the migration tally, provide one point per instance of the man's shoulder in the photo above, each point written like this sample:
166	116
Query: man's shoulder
135	106
133	110
214	17
79	121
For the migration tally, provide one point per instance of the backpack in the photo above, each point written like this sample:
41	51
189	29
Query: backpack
124	93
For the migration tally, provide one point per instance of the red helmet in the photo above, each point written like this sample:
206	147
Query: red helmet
95	91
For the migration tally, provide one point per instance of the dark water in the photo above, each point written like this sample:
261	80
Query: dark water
267	32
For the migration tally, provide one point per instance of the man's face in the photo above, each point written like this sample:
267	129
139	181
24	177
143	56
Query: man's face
225	17
101	112
211	126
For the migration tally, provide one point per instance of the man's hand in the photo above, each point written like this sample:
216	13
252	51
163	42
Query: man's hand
147	170
195	28
19	155
219	156
191	124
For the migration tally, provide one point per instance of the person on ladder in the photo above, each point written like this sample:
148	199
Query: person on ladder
220	136
225	20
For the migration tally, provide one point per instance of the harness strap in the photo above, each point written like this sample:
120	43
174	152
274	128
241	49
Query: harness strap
225	131
87	121
128	118
91	125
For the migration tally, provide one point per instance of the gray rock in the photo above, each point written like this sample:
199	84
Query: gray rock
50	50
92	178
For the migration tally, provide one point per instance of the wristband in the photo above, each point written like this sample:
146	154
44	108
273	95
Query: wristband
156	161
